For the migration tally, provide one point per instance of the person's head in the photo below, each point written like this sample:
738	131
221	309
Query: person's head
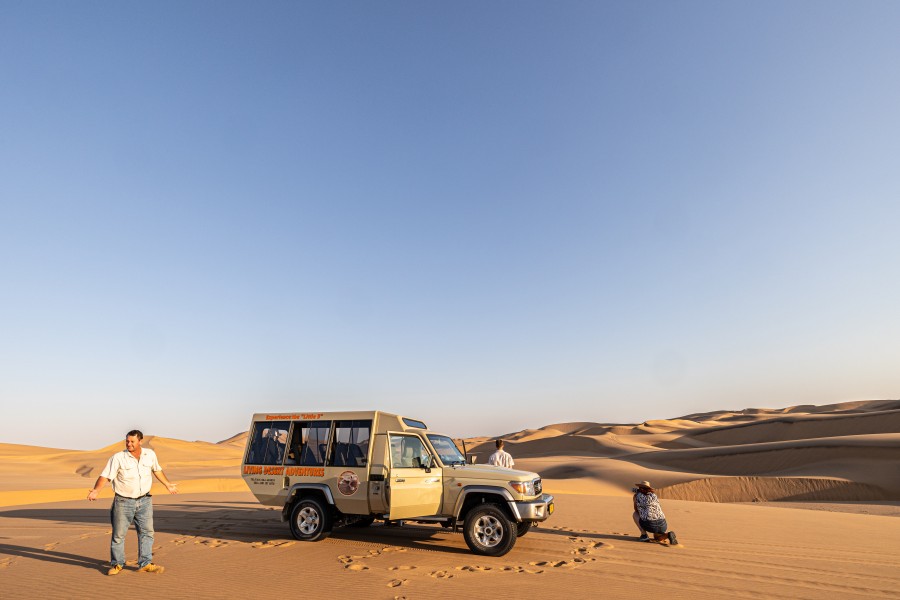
499	444
644	487
133	440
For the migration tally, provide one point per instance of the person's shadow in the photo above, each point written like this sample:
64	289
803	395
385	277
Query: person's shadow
63	558
581	534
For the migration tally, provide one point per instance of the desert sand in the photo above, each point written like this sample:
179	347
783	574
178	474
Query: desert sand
788	503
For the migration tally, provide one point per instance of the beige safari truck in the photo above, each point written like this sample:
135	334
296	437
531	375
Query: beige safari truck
347	469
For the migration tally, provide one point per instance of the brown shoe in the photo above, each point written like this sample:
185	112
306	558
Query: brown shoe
151	568
114	570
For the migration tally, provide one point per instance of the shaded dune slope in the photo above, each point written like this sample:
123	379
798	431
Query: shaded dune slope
838	452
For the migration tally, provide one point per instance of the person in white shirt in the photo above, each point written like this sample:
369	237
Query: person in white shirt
129	471
501	458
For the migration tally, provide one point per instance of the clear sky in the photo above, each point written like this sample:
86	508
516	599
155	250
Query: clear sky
487	215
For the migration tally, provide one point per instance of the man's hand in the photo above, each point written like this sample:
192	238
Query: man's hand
92	495
173	489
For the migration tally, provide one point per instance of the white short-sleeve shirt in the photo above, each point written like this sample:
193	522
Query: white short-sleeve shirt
131	477
501	459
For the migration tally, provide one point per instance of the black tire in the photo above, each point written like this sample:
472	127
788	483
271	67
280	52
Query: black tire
364	522
523	528
310	520
489	531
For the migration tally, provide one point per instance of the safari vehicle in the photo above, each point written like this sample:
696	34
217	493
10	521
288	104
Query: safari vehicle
339	469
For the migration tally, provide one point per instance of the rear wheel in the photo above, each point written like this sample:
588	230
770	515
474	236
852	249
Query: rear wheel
310	520
523	528
488	531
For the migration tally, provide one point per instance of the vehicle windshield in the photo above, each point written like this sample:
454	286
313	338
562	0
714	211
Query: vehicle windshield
447	450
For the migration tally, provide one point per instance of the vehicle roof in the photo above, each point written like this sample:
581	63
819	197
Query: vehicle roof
333	415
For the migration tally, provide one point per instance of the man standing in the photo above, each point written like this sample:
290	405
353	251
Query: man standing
129	471
500	458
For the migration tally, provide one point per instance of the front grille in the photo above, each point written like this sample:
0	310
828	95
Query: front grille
538	488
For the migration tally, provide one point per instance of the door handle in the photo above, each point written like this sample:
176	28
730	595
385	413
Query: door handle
399	480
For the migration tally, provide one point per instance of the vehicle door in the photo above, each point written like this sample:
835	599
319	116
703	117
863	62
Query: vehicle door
414	481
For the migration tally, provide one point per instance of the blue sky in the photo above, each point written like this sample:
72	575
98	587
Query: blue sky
490	216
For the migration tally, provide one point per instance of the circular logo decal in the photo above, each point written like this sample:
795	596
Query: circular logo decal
348	483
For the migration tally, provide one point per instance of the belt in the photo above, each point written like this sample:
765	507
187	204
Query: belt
130	498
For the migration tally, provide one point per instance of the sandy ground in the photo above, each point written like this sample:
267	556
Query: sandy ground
789	503
226	545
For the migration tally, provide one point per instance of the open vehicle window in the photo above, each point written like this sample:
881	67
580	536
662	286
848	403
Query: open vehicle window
350	445
268	443
306	438
308	443
407	451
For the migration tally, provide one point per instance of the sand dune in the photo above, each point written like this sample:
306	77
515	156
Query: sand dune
855	441
756	489
719	474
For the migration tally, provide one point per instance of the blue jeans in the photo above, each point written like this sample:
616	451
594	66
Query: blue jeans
123	513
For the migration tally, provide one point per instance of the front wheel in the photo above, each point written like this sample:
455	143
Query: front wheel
310	520
523	528
488	531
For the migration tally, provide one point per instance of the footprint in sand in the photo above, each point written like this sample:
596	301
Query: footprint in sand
355	567
441	575
402	568
271	544
474	569
568	564
5	562
212	543
51	546
396	582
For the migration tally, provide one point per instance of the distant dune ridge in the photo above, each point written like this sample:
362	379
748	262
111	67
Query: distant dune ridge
838	452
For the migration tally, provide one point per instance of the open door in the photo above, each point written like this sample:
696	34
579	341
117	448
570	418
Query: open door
415	491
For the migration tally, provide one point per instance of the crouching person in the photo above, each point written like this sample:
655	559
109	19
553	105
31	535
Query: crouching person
649	517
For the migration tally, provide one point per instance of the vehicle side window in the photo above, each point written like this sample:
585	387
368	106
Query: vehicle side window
268	441
407	451
308	443
350	445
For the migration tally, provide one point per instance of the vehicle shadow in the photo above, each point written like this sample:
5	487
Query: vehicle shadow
418	537
223	521
231	521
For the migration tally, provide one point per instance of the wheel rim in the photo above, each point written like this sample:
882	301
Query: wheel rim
308	520
488	531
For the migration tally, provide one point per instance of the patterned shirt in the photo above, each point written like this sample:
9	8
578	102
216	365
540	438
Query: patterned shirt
501	459
648	507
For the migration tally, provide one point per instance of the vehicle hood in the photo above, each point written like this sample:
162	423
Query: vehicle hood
490	472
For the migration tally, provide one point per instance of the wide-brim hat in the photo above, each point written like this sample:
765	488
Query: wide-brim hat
645	484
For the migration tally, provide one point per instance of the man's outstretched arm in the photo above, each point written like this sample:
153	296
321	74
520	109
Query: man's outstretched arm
101	481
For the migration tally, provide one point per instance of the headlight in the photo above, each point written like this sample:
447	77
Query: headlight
523	487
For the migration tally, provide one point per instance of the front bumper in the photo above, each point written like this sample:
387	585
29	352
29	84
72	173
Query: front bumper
539	509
